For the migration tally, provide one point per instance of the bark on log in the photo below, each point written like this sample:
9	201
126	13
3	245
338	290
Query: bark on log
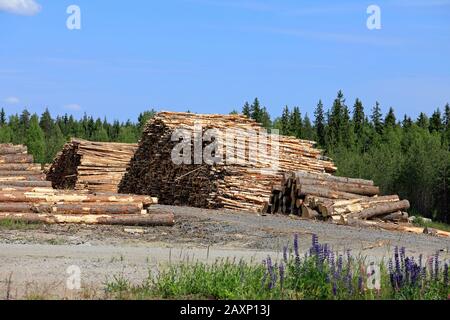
73	208
342	207
19	167
365	190
33	184
154	219
381	209
326	177
11	149
16	158
309	213
319	191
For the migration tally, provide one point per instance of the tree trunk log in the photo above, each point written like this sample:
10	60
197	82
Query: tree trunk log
382	209
155	219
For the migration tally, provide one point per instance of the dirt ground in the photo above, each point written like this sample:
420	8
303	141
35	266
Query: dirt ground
34	261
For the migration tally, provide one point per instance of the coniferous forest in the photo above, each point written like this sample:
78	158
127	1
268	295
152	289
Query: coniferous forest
405	156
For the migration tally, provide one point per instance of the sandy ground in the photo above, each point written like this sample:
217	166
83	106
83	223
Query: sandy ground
34	262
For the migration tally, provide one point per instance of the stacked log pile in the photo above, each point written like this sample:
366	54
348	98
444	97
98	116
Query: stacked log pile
93	166
26	196
236	186
340	200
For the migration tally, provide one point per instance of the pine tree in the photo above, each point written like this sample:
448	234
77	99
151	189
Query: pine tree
319	124
390	121
358	119
265	118
376	118
35	139
436	122
335	122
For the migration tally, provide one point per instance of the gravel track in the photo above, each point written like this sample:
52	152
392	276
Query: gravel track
37	258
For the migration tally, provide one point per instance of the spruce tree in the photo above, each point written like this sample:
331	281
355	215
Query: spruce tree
285	121
390	121
255	110
436	122
246	110
319	124
308	131
2	117
295	123
358	119
376	118
423	121
46	123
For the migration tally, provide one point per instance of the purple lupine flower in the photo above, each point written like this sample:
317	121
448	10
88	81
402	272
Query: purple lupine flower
339	266
421	261
446	275
360	284
285	254
431	266
334	288
296	246
397	260
436	265
281	269
270	273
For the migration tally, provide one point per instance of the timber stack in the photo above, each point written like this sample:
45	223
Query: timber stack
240	184
92	166
26	196
344	201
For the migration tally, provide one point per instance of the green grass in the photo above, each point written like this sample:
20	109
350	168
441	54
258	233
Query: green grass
435	225
304	278
9	224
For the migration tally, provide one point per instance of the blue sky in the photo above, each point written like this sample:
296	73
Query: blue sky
213	55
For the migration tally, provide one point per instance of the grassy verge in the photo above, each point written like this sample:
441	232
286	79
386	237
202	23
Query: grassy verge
435	225
320	274
9	224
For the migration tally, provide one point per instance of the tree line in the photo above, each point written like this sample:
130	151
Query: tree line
45	136
408	157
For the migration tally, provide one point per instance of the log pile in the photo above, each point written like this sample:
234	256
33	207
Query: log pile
26	196
340	200
93	166
236	186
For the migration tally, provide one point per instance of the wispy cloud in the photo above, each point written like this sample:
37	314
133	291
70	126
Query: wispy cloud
72	107
20	7
12	100
347	38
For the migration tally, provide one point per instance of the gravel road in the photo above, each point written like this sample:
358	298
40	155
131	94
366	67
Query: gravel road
37	259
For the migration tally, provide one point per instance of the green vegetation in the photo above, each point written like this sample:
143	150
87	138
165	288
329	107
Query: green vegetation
319	275
8	224
410	158
45	136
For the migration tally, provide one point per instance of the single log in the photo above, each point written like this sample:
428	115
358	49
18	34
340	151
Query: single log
73	208
10	149
33	184
19	167
327	177
16	158
13	173
366	190
309	213
340	207
156	219
384	208
314	190
50	195
23	177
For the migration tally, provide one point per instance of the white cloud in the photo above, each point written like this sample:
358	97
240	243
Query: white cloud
21	7
73	107
12	100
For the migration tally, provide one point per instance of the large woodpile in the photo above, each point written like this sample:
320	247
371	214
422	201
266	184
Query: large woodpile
244	186
93	166
26	196
340	200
